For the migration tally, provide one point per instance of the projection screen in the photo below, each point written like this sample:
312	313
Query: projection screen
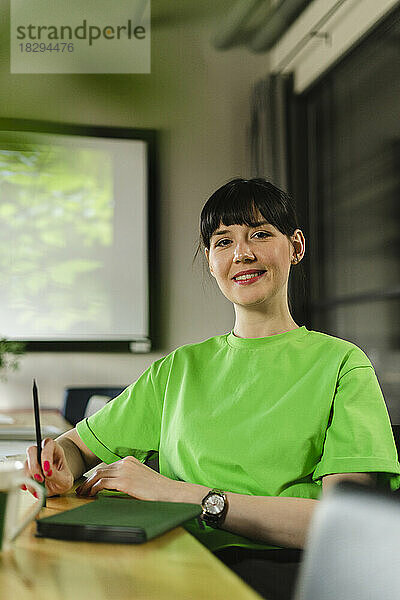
73	237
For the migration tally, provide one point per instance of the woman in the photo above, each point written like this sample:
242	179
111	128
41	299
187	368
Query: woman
255	424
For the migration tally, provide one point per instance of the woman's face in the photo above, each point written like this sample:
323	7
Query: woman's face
252	264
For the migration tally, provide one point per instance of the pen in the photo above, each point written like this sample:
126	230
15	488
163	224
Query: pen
37	427
37	423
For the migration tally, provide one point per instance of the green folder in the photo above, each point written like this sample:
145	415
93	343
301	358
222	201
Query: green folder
118	520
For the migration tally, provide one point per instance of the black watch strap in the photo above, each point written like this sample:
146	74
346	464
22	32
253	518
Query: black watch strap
211	518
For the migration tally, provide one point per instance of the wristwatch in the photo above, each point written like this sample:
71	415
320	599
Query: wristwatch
215	507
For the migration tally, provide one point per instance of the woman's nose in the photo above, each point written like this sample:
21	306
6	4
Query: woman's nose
243	254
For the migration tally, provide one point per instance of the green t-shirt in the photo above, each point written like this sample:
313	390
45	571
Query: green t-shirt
264	416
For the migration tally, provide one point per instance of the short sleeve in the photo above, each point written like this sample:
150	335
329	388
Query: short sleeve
359	437
130	424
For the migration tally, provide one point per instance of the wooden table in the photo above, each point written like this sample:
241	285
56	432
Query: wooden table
174	566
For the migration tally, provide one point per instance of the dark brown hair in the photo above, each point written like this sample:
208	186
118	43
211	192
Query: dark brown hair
237	203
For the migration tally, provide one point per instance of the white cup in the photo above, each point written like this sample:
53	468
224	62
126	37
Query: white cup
11	478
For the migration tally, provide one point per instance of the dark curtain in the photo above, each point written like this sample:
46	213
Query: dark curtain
269	129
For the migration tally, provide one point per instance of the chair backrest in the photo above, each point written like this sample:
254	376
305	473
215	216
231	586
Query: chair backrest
76	400
396	435
353	547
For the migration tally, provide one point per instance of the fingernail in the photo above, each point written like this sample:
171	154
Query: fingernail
35	494
49	473
23	487
38	477
46	465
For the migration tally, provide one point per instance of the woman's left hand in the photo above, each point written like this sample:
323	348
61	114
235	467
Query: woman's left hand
132	477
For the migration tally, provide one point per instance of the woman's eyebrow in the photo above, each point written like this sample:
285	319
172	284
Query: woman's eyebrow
253	226
220	232
259	224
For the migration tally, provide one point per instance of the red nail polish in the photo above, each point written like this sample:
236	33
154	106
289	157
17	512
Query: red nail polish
49	473
38	477
23	487
35	494
46	465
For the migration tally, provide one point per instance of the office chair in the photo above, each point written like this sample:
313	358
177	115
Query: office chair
396	435
76	400
353	550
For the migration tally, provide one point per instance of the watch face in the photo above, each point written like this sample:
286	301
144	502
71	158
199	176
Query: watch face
214	504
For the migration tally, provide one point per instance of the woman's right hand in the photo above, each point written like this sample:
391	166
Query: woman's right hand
54	469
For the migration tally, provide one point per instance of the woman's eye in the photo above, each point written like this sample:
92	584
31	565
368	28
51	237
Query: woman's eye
223	242
262	234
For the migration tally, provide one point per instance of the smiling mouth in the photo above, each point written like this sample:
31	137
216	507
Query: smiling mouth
249	277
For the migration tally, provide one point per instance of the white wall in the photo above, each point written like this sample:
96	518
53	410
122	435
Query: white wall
198	100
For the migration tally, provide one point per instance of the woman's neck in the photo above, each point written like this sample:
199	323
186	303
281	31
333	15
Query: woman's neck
256	324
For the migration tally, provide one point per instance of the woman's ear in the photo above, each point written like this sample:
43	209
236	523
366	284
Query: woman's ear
298	245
